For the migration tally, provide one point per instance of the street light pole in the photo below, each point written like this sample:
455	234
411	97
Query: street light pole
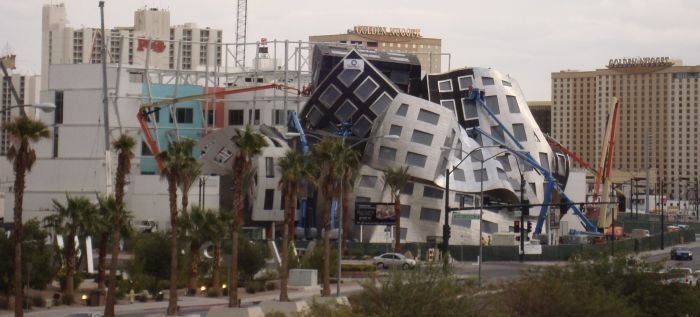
521	254
446	226
481	209
663	184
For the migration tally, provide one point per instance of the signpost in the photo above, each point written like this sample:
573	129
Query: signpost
374	214
466	217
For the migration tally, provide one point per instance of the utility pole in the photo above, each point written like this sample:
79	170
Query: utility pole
663	184
524	210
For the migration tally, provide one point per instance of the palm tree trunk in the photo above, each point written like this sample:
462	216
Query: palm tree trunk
194	265
102	261
233	288
216	274
122	167
185	200
239	166
326	291
70	266
172	193
397	214
346	220
284	270
18	233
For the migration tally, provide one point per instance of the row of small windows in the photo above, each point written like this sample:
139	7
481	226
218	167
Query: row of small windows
465	82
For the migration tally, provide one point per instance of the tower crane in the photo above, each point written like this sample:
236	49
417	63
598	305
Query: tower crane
241	23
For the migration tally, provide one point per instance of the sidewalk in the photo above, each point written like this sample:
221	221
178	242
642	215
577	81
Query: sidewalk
186	302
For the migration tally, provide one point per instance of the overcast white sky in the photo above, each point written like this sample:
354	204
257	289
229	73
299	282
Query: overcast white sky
526	39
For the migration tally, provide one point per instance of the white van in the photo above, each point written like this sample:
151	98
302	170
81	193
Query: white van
640	233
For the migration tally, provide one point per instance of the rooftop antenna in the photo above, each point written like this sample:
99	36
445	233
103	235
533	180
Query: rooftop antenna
241	15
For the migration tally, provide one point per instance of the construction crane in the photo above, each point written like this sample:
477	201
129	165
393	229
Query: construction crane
605	163
149	108
241	24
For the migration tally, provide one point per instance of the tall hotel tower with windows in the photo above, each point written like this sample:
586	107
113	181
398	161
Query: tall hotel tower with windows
659	107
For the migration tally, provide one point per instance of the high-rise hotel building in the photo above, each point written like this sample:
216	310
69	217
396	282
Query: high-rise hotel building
386	39
151	34
658	106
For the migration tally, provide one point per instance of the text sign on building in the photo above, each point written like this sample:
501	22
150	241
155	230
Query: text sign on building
374	214
383	30
157	46
465	217
352	63
640	62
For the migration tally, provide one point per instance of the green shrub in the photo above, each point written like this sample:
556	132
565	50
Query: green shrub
358	267
271	285
315	261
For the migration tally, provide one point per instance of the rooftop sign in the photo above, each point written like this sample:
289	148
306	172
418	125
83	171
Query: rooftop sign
386	31
635	62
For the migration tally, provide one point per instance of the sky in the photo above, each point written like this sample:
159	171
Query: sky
526	39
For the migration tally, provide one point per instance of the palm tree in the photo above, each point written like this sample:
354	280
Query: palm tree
396	179
189	174
22	131
102	229
294	171
350	164
250	144
124	147
326	155
71	220
193	226
176	159
220	222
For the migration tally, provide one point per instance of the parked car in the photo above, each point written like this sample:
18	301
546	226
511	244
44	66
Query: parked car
388	260
87	314
681	254
681	275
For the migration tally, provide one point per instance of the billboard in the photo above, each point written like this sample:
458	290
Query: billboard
374	213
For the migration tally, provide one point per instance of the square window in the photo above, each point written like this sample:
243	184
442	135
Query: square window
445	85
345	111
314	116
407	189
430	214
428	116
465	82
235	117
395	130
387	153
480	175
513	104
459	175
422	137
362	126
487	81
381	104
497	133
330	96
403	110
492	104
348	76
405	211
366	89
184	115
470	111
415	159
519	132
449	104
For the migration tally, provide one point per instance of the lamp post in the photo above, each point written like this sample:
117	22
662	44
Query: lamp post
522	212
446	226
44	106
481	209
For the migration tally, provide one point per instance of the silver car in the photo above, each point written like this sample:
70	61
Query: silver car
388	260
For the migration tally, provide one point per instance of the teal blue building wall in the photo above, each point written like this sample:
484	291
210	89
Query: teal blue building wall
166	127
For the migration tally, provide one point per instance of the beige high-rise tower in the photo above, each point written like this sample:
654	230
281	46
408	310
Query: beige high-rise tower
659	102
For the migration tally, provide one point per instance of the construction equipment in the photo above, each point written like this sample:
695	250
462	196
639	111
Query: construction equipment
550	182
294	123
149	108
605	216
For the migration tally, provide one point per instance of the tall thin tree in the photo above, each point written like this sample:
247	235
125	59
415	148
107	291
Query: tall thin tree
350	163
176	159
327	156
23	131
124	147
396	179
294	171
250	143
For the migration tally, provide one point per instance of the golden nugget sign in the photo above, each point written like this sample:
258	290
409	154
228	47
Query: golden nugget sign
382	30
640	62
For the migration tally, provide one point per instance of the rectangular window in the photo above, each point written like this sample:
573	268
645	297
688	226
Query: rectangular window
480	175
544	161
184	115
513	104
269	199
210	117
430	214
422	138
416	159
368	181
58	112
269	167
405	211
55	142
407	189
487	81
278	117
497	133
387	153
145	150
519	132
492	104
395	130
235	117
445	85
429	117
432	192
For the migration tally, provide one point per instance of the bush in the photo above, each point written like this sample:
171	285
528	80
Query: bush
358	267
271	285
315	261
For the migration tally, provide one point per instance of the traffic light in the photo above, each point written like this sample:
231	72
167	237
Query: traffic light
529	226
526	208
516	226
446	232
